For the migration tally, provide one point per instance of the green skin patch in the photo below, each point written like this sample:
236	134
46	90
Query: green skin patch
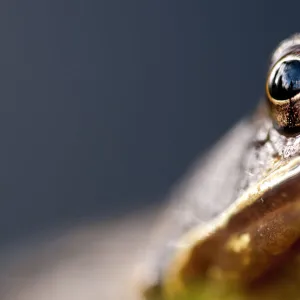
282	283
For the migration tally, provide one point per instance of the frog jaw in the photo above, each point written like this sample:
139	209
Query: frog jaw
247	239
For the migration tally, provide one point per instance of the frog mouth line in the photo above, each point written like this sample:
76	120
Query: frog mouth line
255	233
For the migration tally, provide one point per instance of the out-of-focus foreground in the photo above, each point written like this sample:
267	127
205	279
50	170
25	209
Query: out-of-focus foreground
90	261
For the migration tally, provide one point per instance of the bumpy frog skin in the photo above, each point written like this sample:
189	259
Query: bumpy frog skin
234	223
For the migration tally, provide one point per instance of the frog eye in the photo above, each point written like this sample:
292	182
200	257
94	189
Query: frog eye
285	81
283	92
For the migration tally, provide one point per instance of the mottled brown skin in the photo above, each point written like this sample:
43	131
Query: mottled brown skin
271	226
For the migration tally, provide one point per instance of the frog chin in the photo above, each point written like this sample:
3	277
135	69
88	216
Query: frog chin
256	234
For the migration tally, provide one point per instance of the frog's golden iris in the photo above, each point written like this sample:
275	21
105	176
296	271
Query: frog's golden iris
283	90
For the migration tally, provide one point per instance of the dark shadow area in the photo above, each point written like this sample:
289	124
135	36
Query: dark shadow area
104	104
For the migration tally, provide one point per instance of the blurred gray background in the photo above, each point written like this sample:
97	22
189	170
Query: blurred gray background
104	104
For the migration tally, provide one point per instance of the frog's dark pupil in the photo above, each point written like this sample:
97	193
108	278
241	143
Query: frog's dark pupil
286	82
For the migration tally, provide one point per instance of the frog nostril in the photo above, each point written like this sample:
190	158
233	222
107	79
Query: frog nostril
285	82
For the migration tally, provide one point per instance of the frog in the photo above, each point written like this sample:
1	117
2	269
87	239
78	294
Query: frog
232	225
229	229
